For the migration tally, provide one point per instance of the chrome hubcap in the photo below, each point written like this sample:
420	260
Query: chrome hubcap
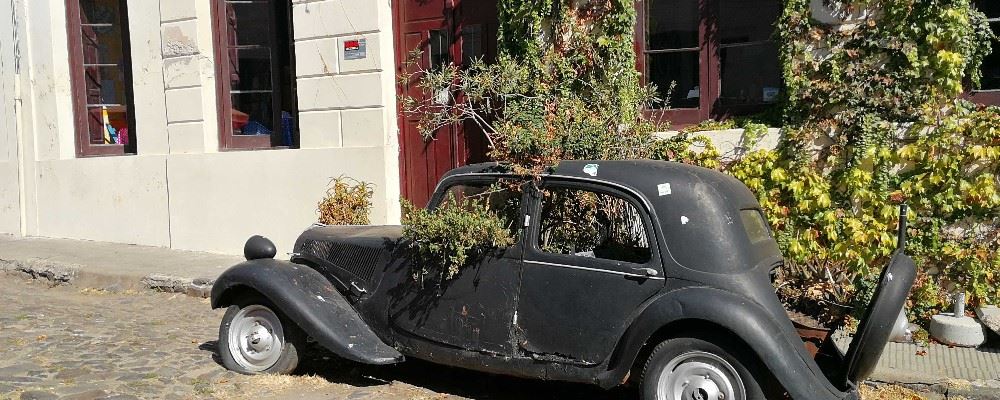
699	376
256	338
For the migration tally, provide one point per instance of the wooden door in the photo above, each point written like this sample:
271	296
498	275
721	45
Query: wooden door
447	31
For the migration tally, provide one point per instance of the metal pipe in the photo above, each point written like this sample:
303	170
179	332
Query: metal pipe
959	304
901	234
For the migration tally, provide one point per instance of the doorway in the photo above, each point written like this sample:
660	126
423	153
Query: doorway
446	31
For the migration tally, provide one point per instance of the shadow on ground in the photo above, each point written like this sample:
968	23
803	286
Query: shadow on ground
440	379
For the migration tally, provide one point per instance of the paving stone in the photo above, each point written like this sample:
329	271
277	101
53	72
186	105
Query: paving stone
38	395
88	395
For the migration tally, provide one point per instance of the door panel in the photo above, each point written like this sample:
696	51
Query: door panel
475	309
576	301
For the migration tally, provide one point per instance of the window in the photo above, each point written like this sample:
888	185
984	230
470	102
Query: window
101	77
989	93
710	58
592	224
256	74
502	198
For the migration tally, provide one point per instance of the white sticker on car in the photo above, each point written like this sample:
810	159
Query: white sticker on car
591	169
664	189
684	220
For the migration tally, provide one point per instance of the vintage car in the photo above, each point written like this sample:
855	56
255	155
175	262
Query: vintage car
672	291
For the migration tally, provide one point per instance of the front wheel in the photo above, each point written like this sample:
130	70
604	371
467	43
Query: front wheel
255	339
693	369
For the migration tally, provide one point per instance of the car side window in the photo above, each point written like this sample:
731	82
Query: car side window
502	198
592	224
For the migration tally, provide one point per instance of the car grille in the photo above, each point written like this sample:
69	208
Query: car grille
358	260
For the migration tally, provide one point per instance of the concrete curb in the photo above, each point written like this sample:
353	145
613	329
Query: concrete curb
945	389
70	274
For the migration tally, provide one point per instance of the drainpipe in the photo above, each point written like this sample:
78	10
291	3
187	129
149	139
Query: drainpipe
18	130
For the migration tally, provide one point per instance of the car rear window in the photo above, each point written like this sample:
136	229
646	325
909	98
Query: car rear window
755	225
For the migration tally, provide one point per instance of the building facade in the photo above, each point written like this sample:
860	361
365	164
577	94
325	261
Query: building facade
180	123
193	124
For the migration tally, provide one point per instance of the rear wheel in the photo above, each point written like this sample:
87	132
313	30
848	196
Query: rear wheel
254	338
694	369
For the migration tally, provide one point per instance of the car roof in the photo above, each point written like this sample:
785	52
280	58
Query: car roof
699	210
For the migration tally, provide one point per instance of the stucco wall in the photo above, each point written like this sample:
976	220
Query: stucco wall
10	210
180	190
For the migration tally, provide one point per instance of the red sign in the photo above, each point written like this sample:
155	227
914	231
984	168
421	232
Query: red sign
351	45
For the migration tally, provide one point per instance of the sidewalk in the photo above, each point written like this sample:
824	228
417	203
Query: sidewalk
113	266
951	371
972	373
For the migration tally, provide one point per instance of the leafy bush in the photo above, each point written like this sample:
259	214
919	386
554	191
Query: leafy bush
347	202
454	235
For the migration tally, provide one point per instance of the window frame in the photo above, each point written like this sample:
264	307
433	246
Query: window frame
535	253
223	95
710	70
78	84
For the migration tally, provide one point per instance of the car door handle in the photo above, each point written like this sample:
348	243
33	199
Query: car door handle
646	271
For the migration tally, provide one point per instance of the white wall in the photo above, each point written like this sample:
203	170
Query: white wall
10	210
180	190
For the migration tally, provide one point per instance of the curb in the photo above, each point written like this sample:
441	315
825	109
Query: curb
70	274
946	389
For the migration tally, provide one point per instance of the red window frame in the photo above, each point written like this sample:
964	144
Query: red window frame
224	102
78	84
709	70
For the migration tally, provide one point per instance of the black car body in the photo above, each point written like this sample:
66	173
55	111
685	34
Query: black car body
705	271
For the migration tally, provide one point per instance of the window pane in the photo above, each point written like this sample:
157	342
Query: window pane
755	225
102	44
439	49
252	22
989	7
254	66
750	74
593	225
252	113
502	198
108	124
100	12
991	66
672	24
105	86
681	67
744	21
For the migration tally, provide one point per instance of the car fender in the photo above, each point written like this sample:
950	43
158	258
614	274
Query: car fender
776	344
307	298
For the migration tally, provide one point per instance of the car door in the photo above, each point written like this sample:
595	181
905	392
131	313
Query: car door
590	262
475	309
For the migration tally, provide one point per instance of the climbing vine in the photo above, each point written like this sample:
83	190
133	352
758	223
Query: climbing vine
872	121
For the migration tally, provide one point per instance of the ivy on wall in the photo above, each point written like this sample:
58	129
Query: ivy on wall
873	122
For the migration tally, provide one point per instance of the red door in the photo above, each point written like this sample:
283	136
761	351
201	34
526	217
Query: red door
445	30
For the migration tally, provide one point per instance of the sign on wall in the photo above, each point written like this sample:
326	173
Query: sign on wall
355	49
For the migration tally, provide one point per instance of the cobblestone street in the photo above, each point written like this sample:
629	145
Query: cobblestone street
72	343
